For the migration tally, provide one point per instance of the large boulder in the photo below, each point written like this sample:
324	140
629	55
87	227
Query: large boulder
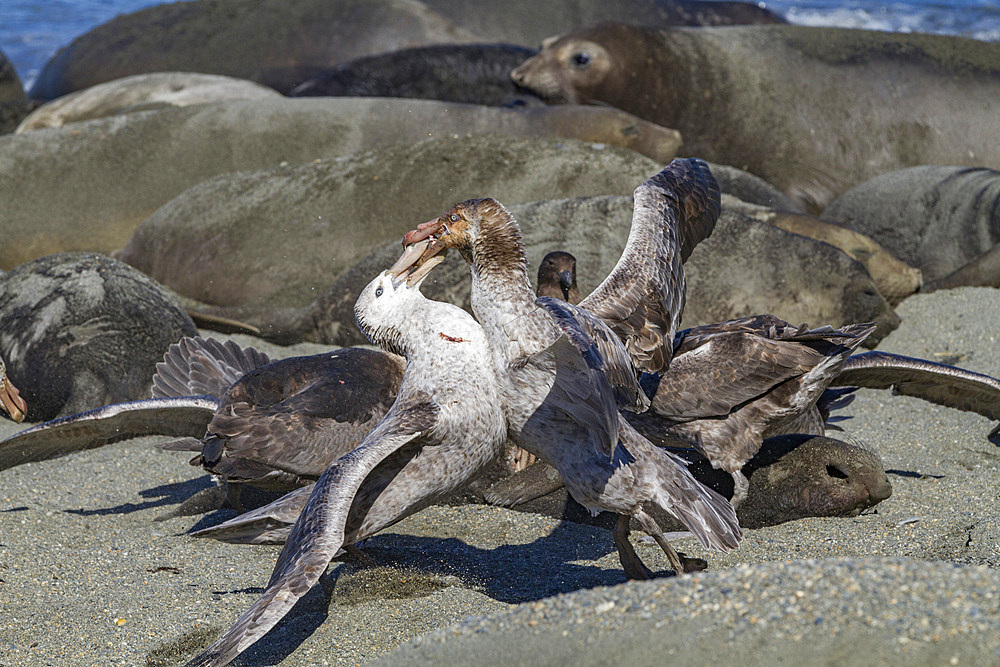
88	186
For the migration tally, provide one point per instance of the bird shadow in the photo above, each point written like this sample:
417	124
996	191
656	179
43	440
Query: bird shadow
164	494
509	573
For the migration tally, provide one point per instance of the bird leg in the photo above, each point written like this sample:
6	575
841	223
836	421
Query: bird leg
633	566
741	486
681	563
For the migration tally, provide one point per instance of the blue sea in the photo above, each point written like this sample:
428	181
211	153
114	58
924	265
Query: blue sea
32	30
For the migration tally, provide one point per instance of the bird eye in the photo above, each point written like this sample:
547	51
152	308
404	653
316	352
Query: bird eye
378	291
453	217
581	59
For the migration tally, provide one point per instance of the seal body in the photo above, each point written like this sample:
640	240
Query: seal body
471	73
937	218
813	111
81	330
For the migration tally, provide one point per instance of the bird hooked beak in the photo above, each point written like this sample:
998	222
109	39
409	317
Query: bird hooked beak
11	399
566	282
423	249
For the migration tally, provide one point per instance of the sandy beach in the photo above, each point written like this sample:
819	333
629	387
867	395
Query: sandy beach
90	576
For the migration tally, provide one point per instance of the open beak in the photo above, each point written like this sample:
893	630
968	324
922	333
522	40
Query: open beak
11	399
423	249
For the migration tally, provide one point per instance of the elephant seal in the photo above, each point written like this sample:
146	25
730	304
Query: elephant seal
232	241
791	104
125	167
529	22
80	330
143	92
895	279
746	267
791	477
470	73
936	218
14	103
274	42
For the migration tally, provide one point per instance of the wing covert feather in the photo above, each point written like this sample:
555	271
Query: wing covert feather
642	299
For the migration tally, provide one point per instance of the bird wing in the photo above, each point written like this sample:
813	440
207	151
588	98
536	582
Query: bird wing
642	299
179	417
601	349
938	383
593	373
726	371
196	366
319	532
269	524
301	414
718	367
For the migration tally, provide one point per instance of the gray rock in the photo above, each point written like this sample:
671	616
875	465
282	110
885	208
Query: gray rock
936	218
81	330
87	187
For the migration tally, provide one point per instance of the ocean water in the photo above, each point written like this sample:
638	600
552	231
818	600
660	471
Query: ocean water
31	31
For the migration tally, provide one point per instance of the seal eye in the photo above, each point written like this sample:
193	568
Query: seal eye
581	59
378	291
453	217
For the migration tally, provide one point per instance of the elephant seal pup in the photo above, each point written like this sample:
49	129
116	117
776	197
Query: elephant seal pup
143	92
791	104
470	73
80	330
791	477
936	218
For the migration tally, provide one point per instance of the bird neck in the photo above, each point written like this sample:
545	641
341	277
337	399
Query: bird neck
502	297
